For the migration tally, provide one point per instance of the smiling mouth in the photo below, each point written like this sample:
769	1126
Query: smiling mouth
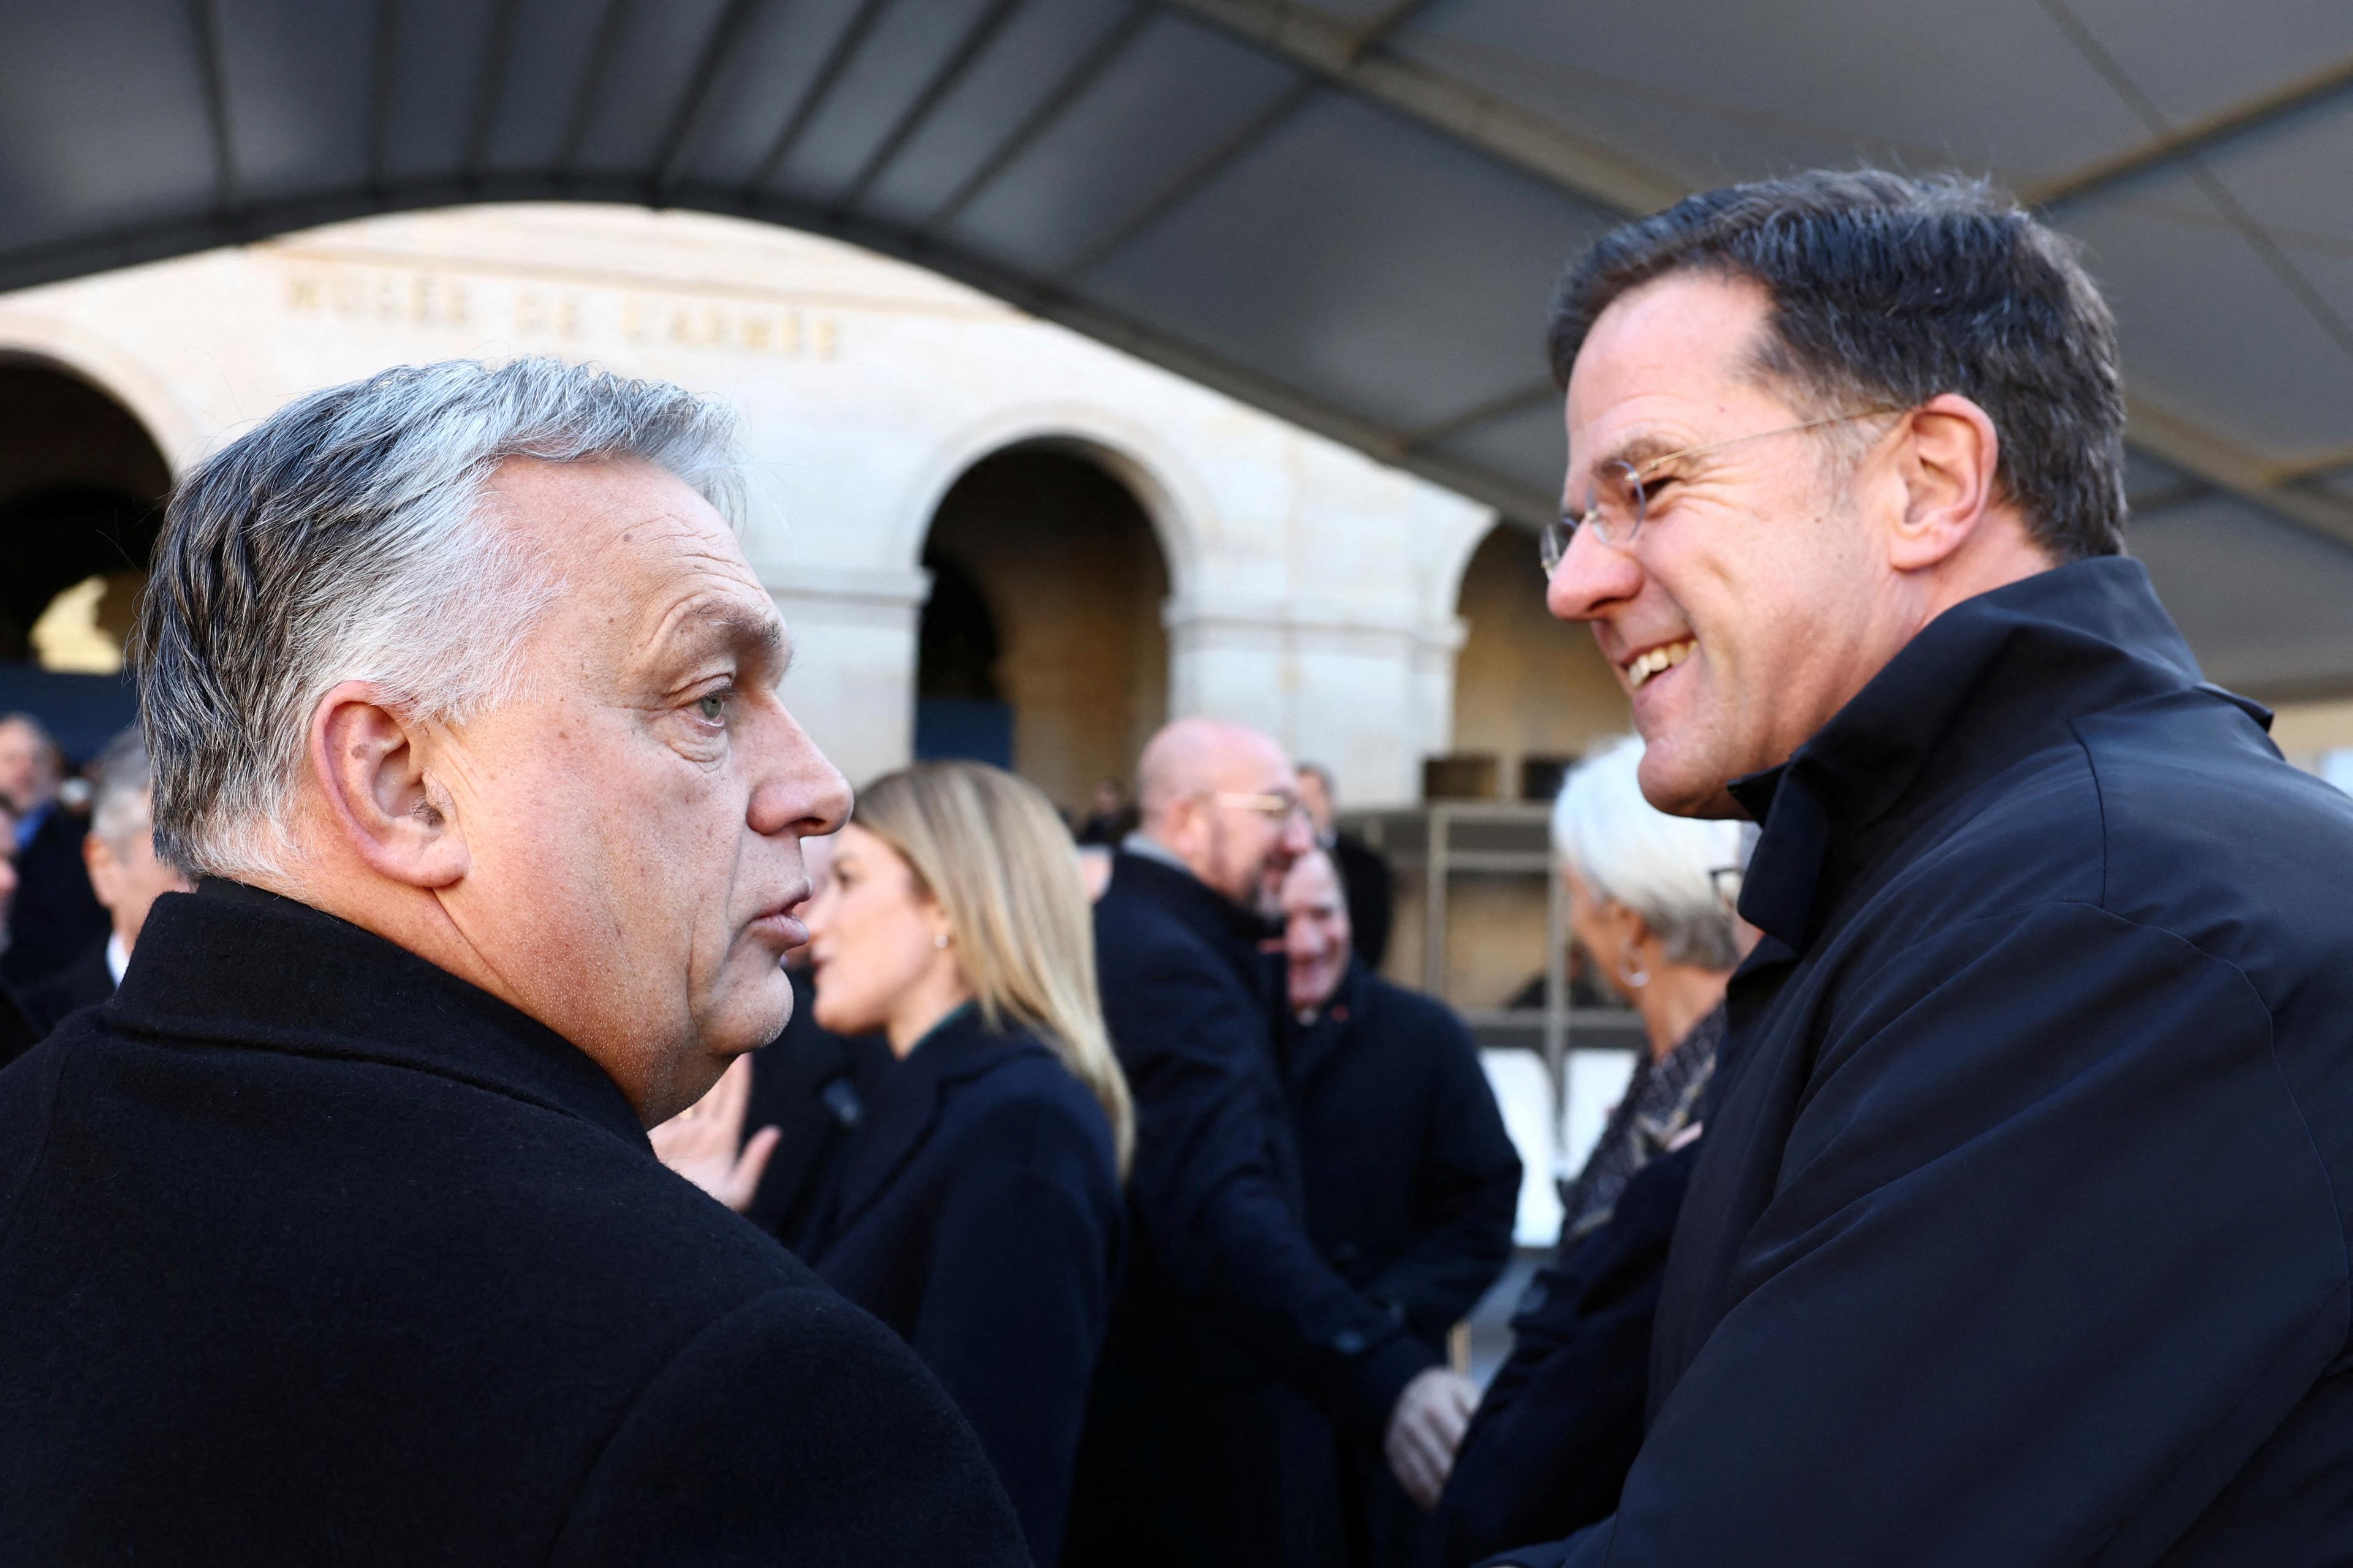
1658	661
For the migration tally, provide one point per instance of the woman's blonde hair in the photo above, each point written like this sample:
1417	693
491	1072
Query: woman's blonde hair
990	849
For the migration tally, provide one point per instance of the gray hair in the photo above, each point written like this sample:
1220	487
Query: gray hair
1660	867
119	806
346	538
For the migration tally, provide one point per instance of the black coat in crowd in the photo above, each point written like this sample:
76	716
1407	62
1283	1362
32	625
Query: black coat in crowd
2018	1235
55	916
1561	1420
315	1253
85	983
1184	1458
811	1085
976	1211
1412	1185
1368	884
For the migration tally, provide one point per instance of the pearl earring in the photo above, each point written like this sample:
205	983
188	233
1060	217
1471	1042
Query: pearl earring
941	941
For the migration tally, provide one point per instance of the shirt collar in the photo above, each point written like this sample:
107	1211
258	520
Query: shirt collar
1146	848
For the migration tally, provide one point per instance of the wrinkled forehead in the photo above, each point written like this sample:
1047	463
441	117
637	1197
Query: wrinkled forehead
1665	365
637	556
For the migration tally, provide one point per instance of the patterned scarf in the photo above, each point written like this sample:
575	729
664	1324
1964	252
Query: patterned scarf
1661	1099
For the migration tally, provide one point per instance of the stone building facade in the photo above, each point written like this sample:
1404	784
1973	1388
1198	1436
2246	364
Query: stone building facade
978	524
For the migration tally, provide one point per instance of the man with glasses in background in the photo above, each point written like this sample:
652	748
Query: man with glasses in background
2018	1236
1231	1335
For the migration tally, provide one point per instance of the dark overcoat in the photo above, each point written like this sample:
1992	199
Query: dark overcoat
1411	1186
314	1253
1225	1299
55	916
1561	1420
812	1086
85	983
977	1210
2018	1233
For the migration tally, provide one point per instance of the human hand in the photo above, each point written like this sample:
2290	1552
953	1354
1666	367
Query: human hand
1426	1427
699	1142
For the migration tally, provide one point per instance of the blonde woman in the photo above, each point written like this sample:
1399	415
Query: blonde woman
976	1209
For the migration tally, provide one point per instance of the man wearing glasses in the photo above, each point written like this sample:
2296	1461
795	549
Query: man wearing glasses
1227	1314
2018	1235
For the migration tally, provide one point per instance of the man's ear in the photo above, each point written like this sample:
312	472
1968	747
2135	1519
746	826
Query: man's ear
1947	460
373	765
98	859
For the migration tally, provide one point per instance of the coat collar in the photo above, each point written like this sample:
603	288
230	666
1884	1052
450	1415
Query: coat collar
904	1106
1215	918
237	965
1987	683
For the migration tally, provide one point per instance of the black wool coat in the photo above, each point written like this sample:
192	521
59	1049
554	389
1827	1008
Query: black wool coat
55	916
85	983
1411	1186
2018	1234
315	1253
1561	1420
811	1085
976	1211
1226	1299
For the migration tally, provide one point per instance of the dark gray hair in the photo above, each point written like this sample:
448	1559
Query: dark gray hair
347	538
119	807
1662	868
1888	291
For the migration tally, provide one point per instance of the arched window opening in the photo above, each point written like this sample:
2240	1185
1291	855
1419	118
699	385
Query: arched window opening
1042	647
81	491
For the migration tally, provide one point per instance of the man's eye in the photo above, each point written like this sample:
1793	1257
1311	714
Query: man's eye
714	708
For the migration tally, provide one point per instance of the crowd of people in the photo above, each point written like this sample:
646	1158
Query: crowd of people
561	1124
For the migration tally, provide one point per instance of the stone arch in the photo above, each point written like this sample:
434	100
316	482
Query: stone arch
1530	692
1175	500
1045	563
82	482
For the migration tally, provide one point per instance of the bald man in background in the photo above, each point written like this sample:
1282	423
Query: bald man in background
1226	1318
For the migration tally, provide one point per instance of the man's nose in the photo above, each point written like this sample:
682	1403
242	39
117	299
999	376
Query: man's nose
801	791
1590	577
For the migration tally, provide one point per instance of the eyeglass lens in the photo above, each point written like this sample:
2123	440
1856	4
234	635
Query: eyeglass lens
1614	505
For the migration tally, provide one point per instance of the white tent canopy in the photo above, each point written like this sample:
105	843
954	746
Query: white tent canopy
1350	213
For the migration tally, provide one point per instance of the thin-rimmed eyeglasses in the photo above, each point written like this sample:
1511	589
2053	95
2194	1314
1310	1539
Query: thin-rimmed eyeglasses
1616	502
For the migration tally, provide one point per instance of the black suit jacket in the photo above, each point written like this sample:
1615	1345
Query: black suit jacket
1561	1420
316	1253
55	916
85	983
1411	1186
976	1211
811	1085
2019	1233
1412	1181
1225	1293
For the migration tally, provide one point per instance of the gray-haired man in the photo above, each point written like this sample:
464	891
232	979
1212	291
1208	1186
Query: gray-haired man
336	1235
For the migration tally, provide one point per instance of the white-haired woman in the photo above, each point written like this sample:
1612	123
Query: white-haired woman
976	1208
1650	899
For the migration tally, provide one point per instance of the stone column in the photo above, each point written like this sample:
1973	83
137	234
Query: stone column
1364	689
853	684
